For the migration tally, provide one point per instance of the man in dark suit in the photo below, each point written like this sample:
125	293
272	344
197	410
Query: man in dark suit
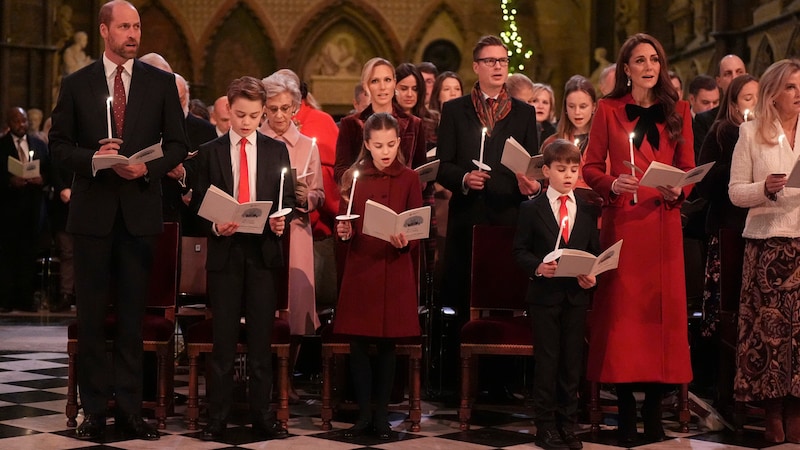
730	67
481	197
22	200
243	268
115	214
557	305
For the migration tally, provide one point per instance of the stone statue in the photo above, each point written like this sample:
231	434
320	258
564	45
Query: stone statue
75	56
600	54
63	26
339	57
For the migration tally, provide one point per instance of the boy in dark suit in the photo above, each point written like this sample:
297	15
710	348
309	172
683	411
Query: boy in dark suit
557	305
243	269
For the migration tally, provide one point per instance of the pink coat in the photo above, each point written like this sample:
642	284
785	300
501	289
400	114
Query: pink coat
638	324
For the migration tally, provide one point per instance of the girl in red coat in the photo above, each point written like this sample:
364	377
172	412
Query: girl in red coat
378	295
638	325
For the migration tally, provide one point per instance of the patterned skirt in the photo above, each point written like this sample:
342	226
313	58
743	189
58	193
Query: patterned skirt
768	350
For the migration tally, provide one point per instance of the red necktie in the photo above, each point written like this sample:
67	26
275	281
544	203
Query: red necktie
119	101
244	179
563	218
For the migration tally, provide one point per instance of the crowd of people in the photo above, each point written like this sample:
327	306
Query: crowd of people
589	197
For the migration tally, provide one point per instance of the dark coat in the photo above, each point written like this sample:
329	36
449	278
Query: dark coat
378	296
537	230
351	136
22	207
153	113
638	322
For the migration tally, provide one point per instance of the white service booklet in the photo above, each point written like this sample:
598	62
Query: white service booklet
518	160
100	162
219	207
577	262
660	174
381	222
794	177
26	170
427	172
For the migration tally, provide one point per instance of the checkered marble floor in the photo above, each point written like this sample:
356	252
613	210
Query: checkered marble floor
33	393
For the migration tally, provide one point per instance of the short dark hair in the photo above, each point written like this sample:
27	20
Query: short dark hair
428	67
486	41
674	76
703	82
561	150
247	87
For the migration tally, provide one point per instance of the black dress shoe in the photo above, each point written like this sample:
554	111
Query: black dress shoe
569	438
361	428
133	426
269	428
92	427
383	431
549	438
214	431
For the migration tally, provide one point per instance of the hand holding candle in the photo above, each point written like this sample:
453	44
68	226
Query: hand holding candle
556	253
281	210
479	162
350	215
633	165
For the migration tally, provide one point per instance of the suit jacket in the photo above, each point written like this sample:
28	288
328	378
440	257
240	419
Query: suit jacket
214	167
153	113
459	141
537	230
701	124
22	207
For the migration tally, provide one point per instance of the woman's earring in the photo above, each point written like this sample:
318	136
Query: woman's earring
629	82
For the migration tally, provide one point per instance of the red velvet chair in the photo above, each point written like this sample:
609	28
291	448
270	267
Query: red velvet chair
158	329
497	300
199	340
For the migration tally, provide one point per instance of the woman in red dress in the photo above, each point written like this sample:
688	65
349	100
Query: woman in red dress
638	328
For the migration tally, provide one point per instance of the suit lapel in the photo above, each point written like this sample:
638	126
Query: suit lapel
263	178
136	96
98	86
223	151
547	218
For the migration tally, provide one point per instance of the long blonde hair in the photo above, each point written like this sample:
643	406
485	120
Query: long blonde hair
770	86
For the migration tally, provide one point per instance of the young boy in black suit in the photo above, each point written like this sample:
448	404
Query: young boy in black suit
243	269
557	305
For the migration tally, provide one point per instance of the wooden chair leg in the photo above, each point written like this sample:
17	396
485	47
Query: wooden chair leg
414	404
192	404
595	414
283	387
465	409
72	387
161	401
327	412
684	416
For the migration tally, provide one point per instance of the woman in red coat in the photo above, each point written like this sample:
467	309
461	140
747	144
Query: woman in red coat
378	295
638	336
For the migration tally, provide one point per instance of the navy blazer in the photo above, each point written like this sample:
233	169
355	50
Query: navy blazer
537	231
153	113
214	167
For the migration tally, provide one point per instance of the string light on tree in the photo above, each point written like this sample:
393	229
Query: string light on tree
517	52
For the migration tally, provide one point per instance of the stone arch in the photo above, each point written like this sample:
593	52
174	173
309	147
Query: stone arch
165	36
238	43
430	29
793	49
765	55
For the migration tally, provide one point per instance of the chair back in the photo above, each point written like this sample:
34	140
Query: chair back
163	288
193	268
497	282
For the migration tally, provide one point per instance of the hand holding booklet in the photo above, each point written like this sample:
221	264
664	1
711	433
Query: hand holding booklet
518	160
381	222
577	262
660	174
427	172
100	162
219	207
26	170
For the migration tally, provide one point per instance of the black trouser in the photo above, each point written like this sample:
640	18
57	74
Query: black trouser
365	377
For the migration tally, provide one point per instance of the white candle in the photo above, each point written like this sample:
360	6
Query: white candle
560	232
746	114
352	193
483	141
108	116
280	194
30	155
633	165
310	151
577	141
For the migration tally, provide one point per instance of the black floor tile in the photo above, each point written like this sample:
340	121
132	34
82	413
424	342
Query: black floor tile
7	431
368	440
31	397
54	372
47	383
237	435
491	436
109	437
19	411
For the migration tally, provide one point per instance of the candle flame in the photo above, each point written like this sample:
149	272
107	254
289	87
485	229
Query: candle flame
484	130
355	174
746	113
314	141
109	100
631	136
283	170
577	141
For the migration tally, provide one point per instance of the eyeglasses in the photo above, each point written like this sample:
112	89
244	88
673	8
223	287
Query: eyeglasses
491	62
284	109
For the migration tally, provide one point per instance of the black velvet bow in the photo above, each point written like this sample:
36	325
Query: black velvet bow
648	118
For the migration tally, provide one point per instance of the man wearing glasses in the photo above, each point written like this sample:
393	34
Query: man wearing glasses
481	196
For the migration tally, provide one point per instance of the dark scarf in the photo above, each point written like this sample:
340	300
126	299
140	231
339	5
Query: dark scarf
490	115
648	118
